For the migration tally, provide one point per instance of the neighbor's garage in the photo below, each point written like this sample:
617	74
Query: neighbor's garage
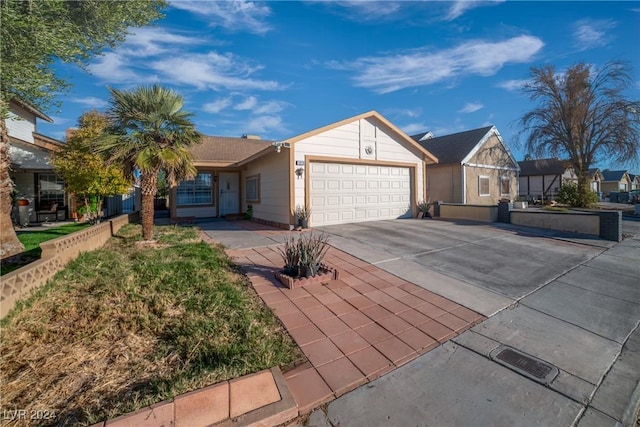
344	193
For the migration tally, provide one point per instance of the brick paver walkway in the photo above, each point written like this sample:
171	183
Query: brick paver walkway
354	329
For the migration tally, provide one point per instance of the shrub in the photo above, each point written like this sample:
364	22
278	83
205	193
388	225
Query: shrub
304	255
571	195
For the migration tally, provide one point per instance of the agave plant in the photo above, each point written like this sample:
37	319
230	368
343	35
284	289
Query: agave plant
312	249
291	256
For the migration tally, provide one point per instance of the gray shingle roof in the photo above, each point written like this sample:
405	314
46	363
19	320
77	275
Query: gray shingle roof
608	175
543	167
226	149
455	147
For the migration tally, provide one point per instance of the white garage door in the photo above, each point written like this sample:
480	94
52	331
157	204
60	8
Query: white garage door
344	193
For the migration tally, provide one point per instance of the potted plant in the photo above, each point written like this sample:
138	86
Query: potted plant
424	207
303	213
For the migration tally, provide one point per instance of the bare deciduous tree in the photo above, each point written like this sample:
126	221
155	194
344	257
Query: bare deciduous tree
582	115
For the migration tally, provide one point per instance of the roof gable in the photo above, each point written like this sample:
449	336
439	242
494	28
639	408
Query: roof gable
608	175
456	147
370	114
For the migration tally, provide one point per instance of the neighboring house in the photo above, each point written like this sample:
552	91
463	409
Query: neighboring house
474	167
543	178
596	180
618	181
359	169
32	173
635	181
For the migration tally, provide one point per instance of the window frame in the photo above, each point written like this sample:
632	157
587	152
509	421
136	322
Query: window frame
504	178
248	199
193	202
480	178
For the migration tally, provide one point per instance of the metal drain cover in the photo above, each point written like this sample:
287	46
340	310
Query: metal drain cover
525	364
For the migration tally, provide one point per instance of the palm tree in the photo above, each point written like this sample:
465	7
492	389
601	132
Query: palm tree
151	133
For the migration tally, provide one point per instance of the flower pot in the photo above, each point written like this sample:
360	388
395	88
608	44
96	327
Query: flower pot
23	202
304	223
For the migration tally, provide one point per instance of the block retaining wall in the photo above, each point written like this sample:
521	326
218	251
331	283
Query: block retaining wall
56	254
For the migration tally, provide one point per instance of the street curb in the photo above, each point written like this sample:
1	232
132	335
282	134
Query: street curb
631	412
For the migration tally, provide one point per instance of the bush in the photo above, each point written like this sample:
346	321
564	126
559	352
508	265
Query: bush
570	195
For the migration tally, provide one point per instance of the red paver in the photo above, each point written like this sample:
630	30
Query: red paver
349	342
373	333
152	416
341	375
370	362
355	319
306	303
430	310
332	326
283	307
396	306
379	297
394	349
328	297
306	334
360	302
436	331
414	317
321	352
294	320
466	314
376	312
394	324
341	307
252	392
273	297
309	390
453	322
202	407
318	313
417	340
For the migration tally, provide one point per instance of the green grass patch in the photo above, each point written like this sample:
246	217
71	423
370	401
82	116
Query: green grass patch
130	325
555	208
31	241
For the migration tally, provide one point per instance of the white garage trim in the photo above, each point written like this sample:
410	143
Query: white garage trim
411	167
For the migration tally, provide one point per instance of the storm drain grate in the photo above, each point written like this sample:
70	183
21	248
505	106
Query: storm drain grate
529	366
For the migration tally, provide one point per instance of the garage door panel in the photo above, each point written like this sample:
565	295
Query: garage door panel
343	193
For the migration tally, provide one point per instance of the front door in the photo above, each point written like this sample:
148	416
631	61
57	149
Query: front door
229	184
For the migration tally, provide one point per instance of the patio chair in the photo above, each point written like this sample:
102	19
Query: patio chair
47	208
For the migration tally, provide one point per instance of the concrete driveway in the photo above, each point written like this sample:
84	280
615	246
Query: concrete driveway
482	266
570	303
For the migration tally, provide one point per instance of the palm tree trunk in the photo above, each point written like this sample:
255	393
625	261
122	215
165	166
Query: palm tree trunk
9	243
148	189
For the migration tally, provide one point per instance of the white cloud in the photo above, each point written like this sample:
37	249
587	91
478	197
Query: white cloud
370	10
150	41
471	107
422	67
270	107
61	120
211	70
114	68
513	85
459	7
590	33
233	15
248	104
91	102
414	128
264	124
217	105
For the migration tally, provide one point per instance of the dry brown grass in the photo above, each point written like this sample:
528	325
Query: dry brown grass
125	327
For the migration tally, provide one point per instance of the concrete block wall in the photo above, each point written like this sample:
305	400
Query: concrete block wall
611	225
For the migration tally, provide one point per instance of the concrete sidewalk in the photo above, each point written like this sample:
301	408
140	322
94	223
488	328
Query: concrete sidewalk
583	324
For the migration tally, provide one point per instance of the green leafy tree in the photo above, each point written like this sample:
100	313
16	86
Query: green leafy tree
569	195
85	173
36	34
583	116
151	134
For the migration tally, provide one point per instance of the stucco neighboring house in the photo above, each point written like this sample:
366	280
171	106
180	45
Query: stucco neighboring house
635	181
543	178
358	169
32	173
474	167
615	181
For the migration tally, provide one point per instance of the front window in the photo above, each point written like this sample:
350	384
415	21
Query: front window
505	186
197	191
51	189
623	186
483	186
252	189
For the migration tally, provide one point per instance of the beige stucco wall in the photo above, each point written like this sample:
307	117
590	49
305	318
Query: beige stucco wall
473	175
614	186
572	222
444	183
273	169
350	141
472	212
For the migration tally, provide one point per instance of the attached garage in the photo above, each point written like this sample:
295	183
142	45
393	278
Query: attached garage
348	192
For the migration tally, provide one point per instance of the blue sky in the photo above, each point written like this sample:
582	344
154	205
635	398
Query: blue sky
278	69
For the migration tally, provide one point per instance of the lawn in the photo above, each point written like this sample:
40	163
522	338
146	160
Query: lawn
130	325
31	241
